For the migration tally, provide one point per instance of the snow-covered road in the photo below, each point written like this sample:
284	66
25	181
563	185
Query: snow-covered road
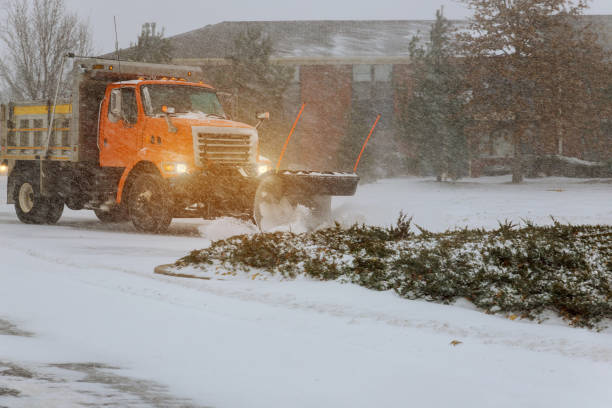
103	329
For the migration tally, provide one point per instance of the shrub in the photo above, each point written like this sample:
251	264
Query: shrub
523	271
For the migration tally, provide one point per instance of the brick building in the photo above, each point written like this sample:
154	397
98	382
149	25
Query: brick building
348	71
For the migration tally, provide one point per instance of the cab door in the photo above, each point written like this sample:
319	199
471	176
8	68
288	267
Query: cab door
120	130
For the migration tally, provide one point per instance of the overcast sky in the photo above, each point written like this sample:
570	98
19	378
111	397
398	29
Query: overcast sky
179	16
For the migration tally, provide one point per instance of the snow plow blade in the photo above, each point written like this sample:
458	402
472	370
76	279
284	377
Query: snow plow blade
313	183
280	194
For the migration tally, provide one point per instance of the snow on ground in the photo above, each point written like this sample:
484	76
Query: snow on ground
479	202
82	312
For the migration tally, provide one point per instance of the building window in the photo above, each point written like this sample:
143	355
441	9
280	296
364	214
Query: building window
369	73
296	74
383	72
362	73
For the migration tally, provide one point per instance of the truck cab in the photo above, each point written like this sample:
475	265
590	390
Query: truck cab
178	126
180	132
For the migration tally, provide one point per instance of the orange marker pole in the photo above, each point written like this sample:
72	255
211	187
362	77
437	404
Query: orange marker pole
280	158
365	143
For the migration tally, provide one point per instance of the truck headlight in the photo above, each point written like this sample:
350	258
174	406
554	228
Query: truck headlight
262	168
175	168
181	168
3	168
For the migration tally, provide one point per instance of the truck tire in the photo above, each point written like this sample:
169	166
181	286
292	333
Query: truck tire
55	208
31	207
148	204
113	215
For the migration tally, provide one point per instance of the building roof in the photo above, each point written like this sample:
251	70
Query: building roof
336	41
308	39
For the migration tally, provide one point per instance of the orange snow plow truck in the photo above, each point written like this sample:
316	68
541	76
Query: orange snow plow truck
146	143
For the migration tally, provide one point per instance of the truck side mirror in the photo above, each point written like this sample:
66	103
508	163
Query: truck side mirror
261	116
169	110
114	109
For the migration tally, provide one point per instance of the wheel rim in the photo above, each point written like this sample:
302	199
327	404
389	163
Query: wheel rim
26	197
145	205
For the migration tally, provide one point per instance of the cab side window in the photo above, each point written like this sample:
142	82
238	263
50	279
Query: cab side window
114	106
129	107
123	106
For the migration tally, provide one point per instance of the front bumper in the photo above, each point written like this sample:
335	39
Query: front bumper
231	192
213	194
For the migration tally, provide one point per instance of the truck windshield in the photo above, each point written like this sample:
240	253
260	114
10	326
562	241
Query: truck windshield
183	98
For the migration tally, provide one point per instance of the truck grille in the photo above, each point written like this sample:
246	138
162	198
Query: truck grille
223	148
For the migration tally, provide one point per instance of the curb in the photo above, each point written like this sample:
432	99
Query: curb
166	270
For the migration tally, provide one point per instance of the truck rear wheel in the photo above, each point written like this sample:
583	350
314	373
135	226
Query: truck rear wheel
148	204
55	208
31	207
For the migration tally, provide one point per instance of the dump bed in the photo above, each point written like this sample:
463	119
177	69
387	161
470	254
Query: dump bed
24	131
24	126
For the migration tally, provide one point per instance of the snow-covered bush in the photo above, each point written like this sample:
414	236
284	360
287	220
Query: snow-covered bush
523	271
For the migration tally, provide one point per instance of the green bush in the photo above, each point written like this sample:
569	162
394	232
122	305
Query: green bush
523	271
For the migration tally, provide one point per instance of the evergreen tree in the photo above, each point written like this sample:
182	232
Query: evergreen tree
151	45
431	114
534	69
258	85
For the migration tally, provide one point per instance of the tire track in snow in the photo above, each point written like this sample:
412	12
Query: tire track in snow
349	313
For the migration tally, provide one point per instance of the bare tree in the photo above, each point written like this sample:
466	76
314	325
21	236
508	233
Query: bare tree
36	36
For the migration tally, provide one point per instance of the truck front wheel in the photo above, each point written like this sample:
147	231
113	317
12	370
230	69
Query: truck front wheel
148	204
